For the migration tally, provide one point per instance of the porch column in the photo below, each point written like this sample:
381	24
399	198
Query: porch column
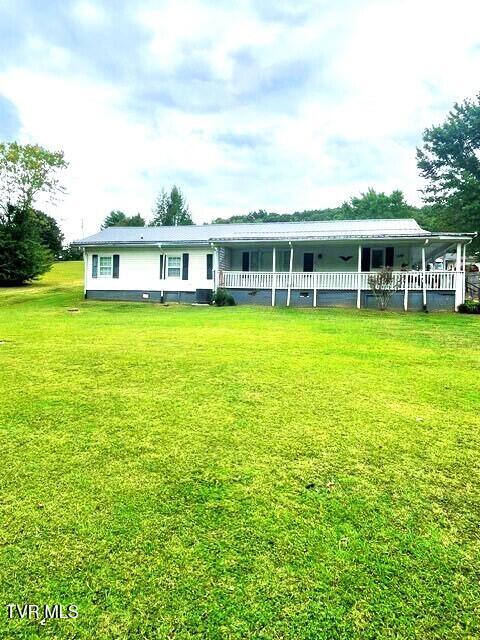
424	279
215	267
459	285
405	295
289	289
359	277
274	277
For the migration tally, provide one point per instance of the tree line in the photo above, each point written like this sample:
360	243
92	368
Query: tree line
448	160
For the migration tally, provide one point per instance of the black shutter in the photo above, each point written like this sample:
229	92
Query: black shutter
245	261
308	261
366	259
389	256
94	266
161	266
209	266
184	266
116	265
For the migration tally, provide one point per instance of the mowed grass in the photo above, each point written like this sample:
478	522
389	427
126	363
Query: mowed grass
191	472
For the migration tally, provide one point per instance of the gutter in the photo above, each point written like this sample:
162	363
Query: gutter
269	239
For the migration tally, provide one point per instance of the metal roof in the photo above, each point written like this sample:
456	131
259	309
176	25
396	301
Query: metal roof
260	232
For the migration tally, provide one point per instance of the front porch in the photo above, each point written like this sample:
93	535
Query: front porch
416	286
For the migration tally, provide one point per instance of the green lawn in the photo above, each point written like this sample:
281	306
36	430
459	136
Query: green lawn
191	472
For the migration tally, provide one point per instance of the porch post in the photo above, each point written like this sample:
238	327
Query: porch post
289	289
215	267
274	276
458	277
424	279
405	295
359	277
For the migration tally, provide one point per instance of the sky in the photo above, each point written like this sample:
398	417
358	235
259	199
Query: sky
283	105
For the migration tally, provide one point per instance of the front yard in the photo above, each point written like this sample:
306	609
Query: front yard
192	472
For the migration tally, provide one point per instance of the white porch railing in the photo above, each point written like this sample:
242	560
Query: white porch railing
343	280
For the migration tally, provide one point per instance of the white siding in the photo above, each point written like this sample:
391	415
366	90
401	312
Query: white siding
140	270
330	259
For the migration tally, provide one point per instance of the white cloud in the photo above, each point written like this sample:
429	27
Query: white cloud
376	74
89	12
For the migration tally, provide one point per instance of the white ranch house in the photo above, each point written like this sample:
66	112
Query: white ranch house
287	263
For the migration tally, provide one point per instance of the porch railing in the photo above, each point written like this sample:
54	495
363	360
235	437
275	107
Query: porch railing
413	280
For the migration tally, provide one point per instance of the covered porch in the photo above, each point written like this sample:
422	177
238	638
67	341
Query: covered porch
310	274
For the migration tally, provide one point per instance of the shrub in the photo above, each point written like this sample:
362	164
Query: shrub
469	306
384	284
222	298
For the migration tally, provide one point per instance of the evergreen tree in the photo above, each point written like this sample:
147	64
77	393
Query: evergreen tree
120	219
171	210
160	210
22	256
114	219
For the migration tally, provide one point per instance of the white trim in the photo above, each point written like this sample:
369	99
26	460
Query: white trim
85	270
459	280
274	265
359	270
99	271
424	279
174	257
405	293
289	290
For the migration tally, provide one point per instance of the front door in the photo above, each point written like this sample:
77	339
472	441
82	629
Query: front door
308	261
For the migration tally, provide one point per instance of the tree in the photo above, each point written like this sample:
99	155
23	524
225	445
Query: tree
49	232
450	163
368	205
22	256
26	172
135	221
171	210
160	210
376	205
120	219
71	252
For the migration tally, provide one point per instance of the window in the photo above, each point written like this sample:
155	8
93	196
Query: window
265	260
105	270
256	261
209	266
377	258
174	266
286	260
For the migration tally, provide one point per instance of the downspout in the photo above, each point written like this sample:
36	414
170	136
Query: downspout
163	272
85	272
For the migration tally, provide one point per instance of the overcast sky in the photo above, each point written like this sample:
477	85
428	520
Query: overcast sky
282	105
